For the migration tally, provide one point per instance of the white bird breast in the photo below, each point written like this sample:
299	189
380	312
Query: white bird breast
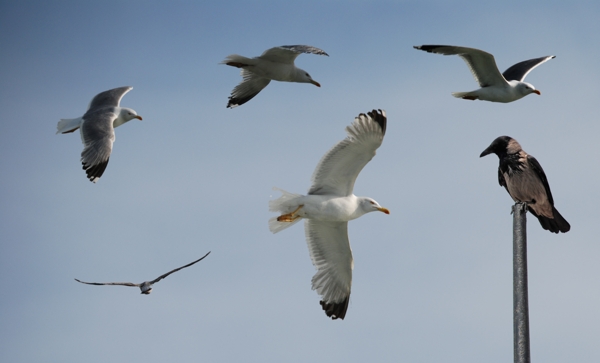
329	208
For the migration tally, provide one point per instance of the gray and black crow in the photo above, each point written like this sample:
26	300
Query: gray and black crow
525	181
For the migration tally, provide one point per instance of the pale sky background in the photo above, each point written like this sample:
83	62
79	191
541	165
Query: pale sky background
432	281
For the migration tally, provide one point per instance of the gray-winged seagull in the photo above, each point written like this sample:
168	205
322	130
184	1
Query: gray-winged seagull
145	286
495	87
97	127
328	207
274	64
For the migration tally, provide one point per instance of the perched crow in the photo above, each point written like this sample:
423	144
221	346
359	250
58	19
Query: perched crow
525	181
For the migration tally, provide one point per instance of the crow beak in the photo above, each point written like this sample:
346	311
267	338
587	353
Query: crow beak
315	83
536	91
486	152
384	210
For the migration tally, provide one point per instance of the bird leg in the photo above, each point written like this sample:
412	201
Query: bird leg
290	217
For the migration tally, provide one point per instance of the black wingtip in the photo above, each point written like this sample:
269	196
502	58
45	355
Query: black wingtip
235	101
336	310
94	172
427	48
379	117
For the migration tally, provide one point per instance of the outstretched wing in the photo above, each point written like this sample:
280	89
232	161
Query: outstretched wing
250	86
177	269
518	71
338	169
331	254
110	283
98	135
110	98
288	53
481	64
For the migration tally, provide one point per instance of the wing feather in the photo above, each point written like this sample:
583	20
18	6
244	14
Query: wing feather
177	269
250	86
339	167
331	254
110	98
537	170
98	135
289	53
481	64
110	283
519	71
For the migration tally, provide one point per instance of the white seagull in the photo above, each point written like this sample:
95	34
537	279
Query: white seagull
97	127
145	286
495	87
274	64
328	207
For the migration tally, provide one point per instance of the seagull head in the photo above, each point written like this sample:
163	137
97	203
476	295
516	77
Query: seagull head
129	114
370	205
525	88
125	115
302	76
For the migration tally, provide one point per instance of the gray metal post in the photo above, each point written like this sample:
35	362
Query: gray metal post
520	295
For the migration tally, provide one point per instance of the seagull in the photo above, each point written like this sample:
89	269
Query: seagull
145	286
97	129
525	181
274	64
495	87
328	207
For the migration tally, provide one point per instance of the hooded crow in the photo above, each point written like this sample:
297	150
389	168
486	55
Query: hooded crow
525	181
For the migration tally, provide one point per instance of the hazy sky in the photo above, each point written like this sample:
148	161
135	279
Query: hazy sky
432	280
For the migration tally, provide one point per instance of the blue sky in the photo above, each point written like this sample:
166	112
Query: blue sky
432	281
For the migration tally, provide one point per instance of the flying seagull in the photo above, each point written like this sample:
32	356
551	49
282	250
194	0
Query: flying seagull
525	181
274	64
328	207
145	286
495	87
97	129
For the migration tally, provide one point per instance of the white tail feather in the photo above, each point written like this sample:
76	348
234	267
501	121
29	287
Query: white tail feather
68	125
284	204
235	58
461	94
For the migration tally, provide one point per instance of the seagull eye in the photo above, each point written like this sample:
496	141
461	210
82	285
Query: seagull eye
372	202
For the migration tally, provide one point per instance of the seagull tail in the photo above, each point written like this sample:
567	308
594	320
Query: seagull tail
284	204
66	125
465	95
238	61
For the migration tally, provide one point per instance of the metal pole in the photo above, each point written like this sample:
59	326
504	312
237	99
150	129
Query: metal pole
520	295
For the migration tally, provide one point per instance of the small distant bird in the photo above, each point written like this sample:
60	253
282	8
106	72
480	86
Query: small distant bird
97	129
495	87
328	207
274	64
525	181
145	286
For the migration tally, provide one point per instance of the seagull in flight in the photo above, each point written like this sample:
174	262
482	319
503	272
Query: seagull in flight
328	207
276	64
145	286
495	86
97	128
